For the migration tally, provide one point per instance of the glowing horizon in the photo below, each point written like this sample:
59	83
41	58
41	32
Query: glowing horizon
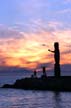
29	28
32	49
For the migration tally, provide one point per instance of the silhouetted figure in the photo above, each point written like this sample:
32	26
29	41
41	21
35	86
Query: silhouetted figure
34	74
44	73
57	59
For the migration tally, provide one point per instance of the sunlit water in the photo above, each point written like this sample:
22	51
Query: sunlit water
16	98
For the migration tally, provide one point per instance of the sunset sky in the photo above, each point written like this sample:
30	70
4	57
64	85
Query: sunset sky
28	28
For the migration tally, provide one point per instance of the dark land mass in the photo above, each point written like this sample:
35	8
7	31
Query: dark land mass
62	83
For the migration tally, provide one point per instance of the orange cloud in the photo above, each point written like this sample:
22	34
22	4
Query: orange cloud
31	49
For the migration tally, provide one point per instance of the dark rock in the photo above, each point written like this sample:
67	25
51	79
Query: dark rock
62	83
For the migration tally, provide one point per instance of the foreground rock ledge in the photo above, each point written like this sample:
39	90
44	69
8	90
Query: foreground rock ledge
62	83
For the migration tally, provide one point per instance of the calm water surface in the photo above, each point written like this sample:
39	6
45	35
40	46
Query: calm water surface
12	98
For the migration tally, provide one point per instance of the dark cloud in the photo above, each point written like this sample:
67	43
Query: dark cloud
47	65
13	69
66	52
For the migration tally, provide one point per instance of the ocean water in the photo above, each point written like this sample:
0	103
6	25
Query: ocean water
16	98
12	98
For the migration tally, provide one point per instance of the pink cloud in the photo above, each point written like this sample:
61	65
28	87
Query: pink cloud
31	49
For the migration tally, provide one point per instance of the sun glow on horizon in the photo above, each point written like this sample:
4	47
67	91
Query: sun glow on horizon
31	50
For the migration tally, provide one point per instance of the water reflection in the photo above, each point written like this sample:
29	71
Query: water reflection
58	101
11	98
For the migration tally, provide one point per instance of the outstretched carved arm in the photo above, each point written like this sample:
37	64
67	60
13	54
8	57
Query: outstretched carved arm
51	51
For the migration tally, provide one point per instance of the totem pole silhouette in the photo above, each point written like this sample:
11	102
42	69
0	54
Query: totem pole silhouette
57	59
44	71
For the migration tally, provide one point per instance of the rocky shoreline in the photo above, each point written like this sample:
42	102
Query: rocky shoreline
62	83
